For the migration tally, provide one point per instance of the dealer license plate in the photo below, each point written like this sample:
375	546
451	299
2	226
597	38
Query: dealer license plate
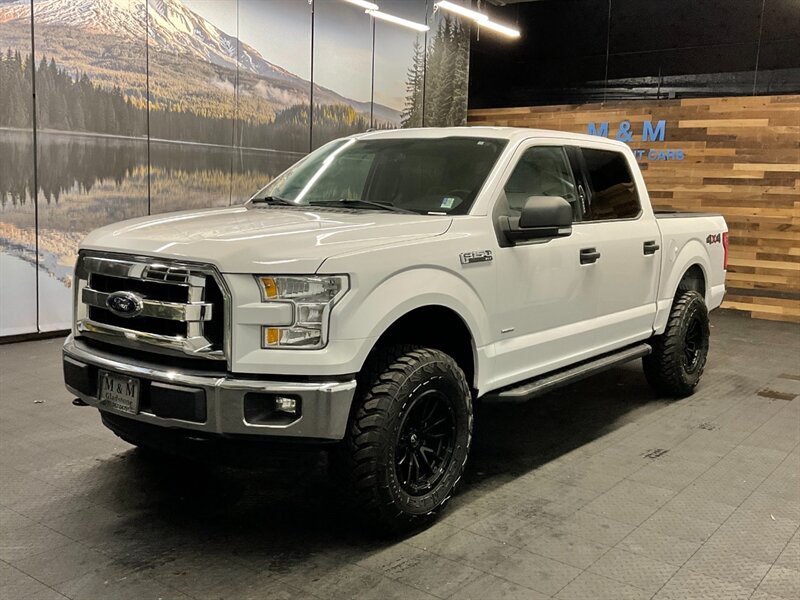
119	392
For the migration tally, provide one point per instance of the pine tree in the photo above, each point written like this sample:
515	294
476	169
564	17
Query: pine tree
75	106
433	75
412	109
43	92
58	110
460	76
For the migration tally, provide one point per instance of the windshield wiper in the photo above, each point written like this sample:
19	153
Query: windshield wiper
272	200
370	203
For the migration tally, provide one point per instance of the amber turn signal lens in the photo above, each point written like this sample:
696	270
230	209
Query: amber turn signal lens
272	335
270	287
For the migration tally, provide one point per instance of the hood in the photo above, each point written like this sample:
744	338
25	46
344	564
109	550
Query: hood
264	239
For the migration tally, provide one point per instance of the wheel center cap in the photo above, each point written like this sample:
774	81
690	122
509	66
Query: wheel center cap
414	440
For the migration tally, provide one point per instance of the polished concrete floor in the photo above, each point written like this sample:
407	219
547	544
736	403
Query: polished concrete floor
597	491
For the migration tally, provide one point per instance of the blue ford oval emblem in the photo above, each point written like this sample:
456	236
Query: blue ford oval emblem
124	304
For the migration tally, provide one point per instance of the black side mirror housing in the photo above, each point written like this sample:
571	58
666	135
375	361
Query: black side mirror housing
543	217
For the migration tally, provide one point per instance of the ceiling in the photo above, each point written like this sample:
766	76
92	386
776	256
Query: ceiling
505	2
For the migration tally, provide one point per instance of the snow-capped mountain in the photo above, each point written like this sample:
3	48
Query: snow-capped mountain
174	29
100	16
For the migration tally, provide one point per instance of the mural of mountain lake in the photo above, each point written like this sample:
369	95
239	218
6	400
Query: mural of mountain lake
87	181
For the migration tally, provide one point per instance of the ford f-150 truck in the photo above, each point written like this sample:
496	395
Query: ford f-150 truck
370	294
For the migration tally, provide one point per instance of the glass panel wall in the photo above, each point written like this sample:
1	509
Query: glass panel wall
147	106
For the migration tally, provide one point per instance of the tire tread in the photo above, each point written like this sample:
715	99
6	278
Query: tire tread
662	369
383	375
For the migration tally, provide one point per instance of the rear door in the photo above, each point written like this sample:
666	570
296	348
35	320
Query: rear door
618	218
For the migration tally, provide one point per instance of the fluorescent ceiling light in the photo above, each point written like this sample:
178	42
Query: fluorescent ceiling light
499	28
397	20
481	19
464	12
364	4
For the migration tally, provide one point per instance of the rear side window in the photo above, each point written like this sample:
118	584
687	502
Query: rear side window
613	190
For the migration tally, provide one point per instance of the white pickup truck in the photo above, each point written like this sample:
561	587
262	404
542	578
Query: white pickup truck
370	294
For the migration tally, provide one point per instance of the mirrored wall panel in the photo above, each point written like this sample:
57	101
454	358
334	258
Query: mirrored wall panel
192	71
343	72
273	97
91	133
446	69
18	258
400	66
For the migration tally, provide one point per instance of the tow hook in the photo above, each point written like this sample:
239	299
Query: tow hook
78	402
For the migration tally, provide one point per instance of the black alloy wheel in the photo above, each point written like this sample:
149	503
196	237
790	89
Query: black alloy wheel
425	442
408	437
694	344
680	353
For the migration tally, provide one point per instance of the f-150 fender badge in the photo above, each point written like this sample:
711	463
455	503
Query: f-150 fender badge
476	256
714	238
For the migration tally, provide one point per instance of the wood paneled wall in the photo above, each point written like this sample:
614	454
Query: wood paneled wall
741	159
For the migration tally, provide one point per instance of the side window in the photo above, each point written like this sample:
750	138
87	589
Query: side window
541	171
614	193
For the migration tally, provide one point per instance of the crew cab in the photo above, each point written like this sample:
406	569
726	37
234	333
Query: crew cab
370	294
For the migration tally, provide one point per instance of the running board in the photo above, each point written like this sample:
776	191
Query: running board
541	385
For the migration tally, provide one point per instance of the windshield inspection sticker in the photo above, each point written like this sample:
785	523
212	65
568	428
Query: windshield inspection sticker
448	202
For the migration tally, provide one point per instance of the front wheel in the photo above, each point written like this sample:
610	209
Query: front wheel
408	437
679	355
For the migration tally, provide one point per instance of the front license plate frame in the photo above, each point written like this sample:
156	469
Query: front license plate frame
118	392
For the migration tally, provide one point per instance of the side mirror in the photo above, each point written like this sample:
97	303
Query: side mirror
543	217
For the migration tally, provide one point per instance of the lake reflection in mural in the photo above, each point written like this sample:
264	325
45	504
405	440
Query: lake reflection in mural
91	181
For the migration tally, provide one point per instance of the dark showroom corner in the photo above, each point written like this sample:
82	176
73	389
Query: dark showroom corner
491	299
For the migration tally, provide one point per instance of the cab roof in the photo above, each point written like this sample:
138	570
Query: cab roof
507	133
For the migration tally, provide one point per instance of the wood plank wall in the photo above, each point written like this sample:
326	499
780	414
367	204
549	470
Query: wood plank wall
742	159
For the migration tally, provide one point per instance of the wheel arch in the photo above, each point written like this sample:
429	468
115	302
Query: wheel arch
433	303
436	326
693	278
690	264
690	268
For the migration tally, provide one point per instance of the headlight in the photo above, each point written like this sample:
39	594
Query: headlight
311	298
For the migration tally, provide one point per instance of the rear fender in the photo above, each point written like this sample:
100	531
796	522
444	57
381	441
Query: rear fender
693	253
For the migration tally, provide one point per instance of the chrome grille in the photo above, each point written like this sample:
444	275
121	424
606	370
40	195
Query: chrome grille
180	308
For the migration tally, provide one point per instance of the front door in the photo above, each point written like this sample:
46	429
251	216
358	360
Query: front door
547	296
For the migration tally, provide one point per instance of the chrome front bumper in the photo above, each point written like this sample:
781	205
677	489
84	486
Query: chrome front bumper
325	405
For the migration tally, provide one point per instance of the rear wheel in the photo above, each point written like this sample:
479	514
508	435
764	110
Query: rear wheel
679	355
408	437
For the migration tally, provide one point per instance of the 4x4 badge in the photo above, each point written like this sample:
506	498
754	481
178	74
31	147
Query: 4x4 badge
476	256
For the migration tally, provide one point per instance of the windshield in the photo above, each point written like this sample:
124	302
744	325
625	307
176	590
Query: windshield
423	175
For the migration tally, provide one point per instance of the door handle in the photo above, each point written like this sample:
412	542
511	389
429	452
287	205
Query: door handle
589	256
650	247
